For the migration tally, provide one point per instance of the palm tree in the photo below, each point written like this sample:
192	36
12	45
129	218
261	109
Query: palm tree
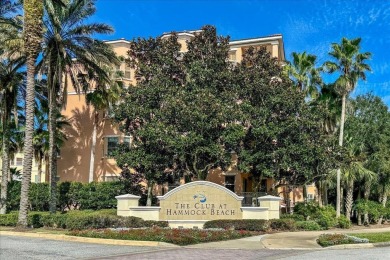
303	73
353	170
67	39
11	82
32	38
102	98
351	66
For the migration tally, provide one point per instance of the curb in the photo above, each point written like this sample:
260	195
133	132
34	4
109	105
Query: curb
361	245
89	239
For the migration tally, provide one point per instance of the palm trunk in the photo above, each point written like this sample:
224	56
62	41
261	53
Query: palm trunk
93	147
5	166
39	170
342	199
367	186
28	143
150	194
349	200
52	150
341	138
359	214
383	200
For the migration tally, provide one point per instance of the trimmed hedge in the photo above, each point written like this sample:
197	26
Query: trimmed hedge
239	224
70	195
175	236
80	220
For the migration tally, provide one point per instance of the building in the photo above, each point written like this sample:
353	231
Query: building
38	172
75	164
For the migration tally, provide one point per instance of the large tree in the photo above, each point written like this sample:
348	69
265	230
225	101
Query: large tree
144	112
68	37
350	65
281	135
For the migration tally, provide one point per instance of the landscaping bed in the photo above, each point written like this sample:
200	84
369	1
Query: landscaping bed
180	237
342	239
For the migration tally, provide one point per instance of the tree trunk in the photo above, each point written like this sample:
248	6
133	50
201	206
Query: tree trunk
384	201
150	194
39	170
341	138
359	215
319	193
93	147
52	150
349	200
367	186
28	143
32	37
5	166
342	199
325	194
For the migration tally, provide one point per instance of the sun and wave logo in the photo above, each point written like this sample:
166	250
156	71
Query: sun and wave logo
201	197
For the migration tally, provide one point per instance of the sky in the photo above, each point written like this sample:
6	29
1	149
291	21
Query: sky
306	25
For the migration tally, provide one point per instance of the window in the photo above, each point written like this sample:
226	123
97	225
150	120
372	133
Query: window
127	74
232	56
19	161
111	177
310	196
112	143
229	182
127	140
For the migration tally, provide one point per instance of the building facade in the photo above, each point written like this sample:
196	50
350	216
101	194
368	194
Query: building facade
74	163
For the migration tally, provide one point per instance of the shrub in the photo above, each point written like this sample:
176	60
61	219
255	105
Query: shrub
175	236
99	195
294	216
34	219
343	222
9	219
306	209
239	224
372	208
283	224
153	223
326	217
309	225
80	220
55	220
38	196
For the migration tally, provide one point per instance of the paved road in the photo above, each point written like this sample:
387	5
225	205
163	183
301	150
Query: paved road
13	247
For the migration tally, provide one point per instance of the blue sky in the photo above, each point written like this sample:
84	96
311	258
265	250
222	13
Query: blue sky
306	25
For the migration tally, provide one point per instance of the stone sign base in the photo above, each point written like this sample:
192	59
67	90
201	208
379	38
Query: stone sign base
192	204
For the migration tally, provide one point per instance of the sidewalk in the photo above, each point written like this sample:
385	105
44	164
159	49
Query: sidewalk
303	240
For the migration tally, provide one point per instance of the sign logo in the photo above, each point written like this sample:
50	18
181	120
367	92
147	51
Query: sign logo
201	197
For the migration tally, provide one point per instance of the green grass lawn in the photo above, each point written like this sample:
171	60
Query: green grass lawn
374	237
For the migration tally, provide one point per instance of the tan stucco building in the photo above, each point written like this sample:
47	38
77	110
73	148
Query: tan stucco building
74	163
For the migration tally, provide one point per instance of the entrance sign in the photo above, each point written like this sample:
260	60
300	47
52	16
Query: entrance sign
200	200
193	204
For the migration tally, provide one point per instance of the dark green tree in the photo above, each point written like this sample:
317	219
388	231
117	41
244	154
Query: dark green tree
281	133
